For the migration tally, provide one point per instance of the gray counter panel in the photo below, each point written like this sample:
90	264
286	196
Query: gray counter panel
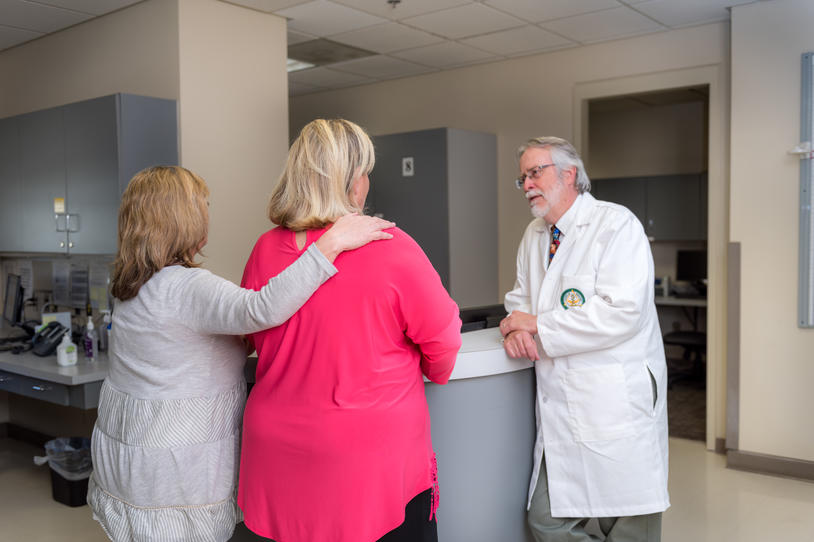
483	433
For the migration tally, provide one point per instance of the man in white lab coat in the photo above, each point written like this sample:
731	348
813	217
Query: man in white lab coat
582	308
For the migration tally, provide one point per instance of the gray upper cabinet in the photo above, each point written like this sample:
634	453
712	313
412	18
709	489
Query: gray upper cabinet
630	192
41	183
73	163
670	207
92	177
439	186
10	230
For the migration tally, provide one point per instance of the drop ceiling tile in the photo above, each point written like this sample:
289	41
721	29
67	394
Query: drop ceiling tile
268	6
406	8
39	17
687	12
464	21
603	25
294	37
10	37
94	7
381	67
535	11
445	55
323	18
296	89
327	78
519	40
384	38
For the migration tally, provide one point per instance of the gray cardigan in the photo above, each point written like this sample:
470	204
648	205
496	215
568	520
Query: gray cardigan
166	442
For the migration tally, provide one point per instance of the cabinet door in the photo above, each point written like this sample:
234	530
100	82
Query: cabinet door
674	208
398	197
11	237
627	191
148	135
42	179
91	166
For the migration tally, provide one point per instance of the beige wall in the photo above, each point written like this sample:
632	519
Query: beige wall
660	140
514	99
134	50
233	120
547	95
226	67
776	360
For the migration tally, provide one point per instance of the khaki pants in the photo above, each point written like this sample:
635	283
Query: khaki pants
646	528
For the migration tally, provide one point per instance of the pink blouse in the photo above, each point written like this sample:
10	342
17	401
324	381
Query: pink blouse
336	432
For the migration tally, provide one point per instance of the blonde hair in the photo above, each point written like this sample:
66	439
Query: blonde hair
163	220
314	189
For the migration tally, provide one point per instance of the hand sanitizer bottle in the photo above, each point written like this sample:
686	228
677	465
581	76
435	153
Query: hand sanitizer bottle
66	351
91	342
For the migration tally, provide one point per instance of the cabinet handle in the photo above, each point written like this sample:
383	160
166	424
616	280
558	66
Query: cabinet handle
72	222
61	220
5	379
38	387
70	245
62	244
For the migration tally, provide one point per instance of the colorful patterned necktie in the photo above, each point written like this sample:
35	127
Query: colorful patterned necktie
555	243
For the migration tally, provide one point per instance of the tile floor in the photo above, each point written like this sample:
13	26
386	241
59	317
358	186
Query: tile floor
710	502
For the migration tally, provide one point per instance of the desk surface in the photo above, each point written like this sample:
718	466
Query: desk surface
481	355
681	301
28	364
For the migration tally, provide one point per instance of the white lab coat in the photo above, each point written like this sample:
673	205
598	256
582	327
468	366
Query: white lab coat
602	378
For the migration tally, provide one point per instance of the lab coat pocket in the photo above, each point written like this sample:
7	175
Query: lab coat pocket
598	403
575	290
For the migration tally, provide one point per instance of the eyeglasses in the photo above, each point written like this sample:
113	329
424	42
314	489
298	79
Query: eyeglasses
534	173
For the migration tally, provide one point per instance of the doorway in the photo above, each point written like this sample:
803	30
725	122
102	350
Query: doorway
649	151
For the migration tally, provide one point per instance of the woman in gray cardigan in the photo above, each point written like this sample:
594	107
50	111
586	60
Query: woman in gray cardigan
165	445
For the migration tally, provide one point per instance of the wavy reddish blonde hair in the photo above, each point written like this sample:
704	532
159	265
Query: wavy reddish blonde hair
163	220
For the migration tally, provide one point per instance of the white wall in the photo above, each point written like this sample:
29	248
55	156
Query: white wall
776	357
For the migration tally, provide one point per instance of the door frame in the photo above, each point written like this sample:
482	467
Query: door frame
716	77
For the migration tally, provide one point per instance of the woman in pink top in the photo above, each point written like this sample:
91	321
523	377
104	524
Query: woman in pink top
336	432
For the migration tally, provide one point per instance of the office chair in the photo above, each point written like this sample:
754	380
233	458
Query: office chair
695	350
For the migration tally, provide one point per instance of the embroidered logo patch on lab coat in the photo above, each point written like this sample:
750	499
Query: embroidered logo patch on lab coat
571	298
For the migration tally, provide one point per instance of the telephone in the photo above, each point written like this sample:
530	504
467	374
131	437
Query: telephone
47	339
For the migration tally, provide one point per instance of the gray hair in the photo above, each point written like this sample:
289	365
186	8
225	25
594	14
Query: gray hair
564	156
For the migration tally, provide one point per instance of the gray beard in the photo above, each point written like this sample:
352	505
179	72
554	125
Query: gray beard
536	210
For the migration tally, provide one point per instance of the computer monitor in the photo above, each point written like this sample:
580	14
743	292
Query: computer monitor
13	302
691	265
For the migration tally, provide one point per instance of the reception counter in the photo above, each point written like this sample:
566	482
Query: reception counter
41	378
482	425
483	433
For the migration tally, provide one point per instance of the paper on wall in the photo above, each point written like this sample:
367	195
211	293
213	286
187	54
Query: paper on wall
61	282
98	280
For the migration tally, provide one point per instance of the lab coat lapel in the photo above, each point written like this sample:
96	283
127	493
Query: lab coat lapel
549	297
